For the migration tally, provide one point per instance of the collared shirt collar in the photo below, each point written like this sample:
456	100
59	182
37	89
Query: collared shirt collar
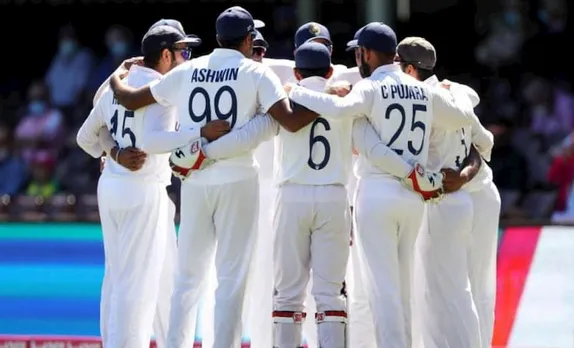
227	52
314	83
433	80
144	70
386	68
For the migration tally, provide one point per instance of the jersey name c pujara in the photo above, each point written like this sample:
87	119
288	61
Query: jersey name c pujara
209	75
404	92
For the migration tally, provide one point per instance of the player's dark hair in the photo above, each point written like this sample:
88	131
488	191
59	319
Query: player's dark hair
424	73
151	60
232	44
322	72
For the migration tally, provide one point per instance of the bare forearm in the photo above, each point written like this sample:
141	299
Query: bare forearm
471	164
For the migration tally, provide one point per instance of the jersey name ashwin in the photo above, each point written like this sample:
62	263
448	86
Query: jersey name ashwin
209	75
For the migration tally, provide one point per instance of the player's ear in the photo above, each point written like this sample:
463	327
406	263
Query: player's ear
297	74
330	73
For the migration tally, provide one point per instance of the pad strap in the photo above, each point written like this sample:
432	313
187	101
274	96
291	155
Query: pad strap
289	317
331	316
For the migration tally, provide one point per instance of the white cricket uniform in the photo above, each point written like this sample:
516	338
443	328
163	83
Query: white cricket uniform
483	243
442	259
283	68
219	207
261	128
139	232
387	215
312	225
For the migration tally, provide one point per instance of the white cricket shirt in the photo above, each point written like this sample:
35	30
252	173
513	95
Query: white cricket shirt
223	85
318	154
350	75
448	149
400	108
283	68
131	128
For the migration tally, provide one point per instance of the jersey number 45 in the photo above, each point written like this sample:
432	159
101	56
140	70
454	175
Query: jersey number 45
126	130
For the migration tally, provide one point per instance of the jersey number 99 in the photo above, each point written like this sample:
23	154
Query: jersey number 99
416	126
230	115
314	139
126	130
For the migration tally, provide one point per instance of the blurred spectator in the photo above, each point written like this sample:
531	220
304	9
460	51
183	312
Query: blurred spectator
42	182
119	43
281	41
41	126
506	33
553	32
68	74
550	109
561	173
509	167
12	168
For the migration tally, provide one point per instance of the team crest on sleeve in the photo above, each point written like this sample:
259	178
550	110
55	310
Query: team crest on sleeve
314	29
194	147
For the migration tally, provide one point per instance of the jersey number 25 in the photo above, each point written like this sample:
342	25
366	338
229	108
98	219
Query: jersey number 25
314	139
416	125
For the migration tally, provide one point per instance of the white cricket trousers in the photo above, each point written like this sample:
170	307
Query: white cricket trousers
259	299
482	257
311	225
140	248
444	308
220	219
387	220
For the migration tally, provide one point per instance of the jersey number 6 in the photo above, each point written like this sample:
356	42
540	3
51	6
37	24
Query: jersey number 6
125	130
415	124
230	115
313	139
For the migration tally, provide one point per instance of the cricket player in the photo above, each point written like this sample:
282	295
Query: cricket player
311	31
387	216
480	229
139	232
136	158
448	316
220	203
291	171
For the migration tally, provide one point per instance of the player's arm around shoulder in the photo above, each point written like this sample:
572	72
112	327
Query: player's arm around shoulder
454	180
273	100
358	102
451	109
88	136
282	68
244	139
467	90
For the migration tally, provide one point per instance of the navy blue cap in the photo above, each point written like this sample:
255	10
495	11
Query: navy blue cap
235	22
259	40
378	37
191	40
311	31
160	37
312	55
355	42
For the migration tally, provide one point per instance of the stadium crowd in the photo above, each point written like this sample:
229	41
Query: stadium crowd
520	72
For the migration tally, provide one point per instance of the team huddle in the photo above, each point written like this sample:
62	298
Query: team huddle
377	227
